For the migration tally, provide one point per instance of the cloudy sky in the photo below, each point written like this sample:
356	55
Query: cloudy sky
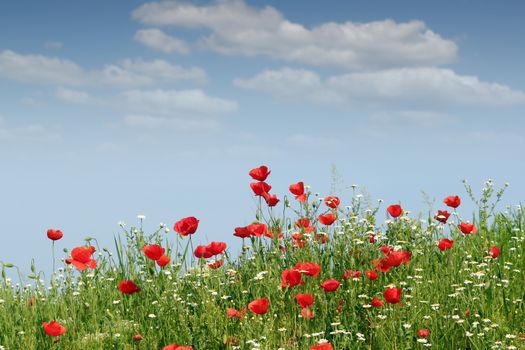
109	109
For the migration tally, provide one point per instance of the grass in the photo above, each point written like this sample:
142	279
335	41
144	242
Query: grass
464	297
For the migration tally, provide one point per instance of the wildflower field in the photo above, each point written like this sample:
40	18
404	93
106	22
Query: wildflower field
313	273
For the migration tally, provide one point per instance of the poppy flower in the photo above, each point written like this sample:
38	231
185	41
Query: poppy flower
304	223
467	228
445	244
352	274
372	238
452	201
323	346
232	313
396	257
395	210
307	312
177	347
153	251
298	190
216	264
54	235
242	232
137	337
271	199
423	333
259	188
81	257
393	295
327	219
376	302
381	265
259	230
163	261
308	268
186	226
304	300
54	329
371	275
332	202
259	306
128	287
442	216
202	252
495	252
217	248
330	285
260	173
385	250
291	278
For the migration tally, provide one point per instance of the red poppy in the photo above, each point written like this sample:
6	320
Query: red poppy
54	235
305	224
396	257
332	202
308	268
242	232
371	275
495	252
323	346
452	201
381	265
260	173
259	230
232	313
81	257
163	261
385	250
177	347
304	300
216	264
445	244
467	228
393	295
327	219
186	226
259	188
298	190
394	210
153	251
271	199
291	278
128	287
423	333
307	312
442	216
54	329
352	274
372	238
137	337
259	306
202	252
376	302
330	285
217	248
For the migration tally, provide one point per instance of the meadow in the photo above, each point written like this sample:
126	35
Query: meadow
313	273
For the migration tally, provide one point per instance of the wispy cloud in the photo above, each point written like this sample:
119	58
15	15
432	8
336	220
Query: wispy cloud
423	87
44	70
239	29
158	40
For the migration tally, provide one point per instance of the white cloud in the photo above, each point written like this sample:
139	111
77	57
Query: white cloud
39	69
158	40
29	132
418	87
73	96
176	102
237	28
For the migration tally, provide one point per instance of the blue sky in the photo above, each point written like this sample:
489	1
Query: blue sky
111	109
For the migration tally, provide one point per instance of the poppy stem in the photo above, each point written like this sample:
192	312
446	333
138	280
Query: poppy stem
53	255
